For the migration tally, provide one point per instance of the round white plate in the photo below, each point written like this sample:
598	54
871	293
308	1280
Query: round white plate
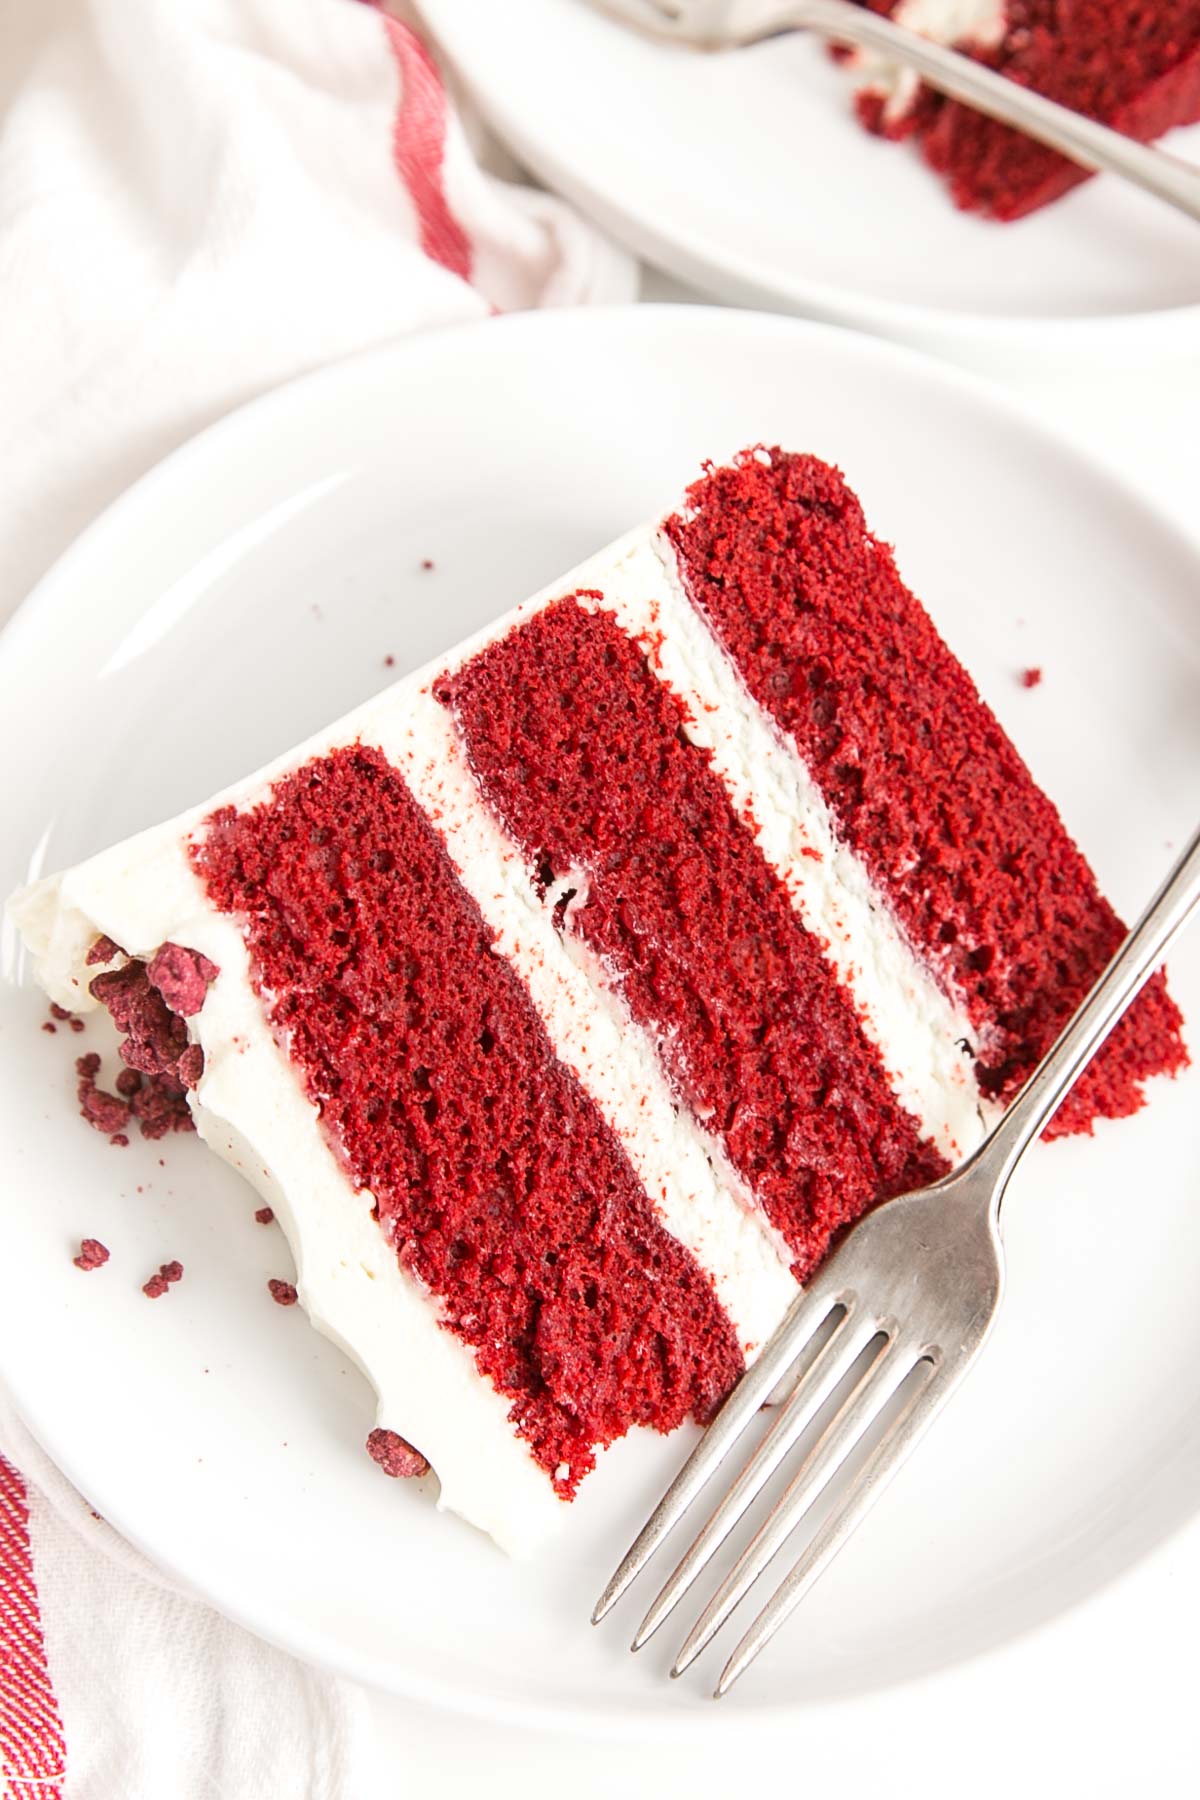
748	175
248	591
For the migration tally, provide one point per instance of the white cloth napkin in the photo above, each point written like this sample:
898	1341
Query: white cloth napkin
118	1684
199	199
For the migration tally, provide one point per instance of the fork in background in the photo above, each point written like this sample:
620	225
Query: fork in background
912	1291
732	24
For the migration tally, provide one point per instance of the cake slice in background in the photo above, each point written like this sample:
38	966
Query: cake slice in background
1131	64
565	1001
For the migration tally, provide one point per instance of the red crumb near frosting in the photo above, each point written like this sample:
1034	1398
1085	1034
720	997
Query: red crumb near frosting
155	1037
497	1181
103	951
395	1455
156	1287
264	1215
50	1026
1133	65
583	754
119	1140
182	977
160	1107
76	1024
147	1003
1031	678
106	1112
924	786
58	1012
92	1254
283	1292
171	1271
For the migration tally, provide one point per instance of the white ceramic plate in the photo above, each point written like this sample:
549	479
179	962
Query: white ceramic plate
248	591
748	175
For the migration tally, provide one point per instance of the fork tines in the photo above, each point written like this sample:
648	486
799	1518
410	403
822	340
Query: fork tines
907	1301
886	1366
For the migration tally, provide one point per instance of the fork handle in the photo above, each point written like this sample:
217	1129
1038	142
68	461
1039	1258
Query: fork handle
1082	140
1122	980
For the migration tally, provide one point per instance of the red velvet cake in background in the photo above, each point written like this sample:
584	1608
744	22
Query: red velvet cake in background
565	1001
1131	64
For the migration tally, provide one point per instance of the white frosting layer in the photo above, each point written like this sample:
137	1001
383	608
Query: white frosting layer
917	1030
967	24
251	1107
696	1197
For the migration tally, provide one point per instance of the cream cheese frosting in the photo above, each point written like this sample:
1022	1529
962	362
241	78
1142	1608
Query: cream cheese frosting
251	1108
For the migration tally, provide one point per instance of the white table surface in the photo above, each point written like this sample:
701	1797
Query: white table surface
1142	422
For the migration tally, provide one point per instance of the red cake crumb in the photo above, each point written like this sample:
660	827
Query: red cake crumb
48	1025
395	1455
923	783
58	1012
119	1140
427	562
171	1271
160	1106
161	1064
1131	64
182	977
92	1254
283	1292
582	753
106	1112
155	1037
103	951
496	1179
389	662
1031	678
264	1215
156	1287
76	1024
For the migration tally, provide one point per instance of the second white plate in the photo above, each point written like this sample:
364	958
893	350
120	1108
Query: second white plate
748	175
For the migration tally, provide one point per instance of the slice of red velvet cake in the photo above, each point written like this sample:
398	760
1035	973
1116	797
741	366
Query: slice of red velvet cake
1132	65
565	1000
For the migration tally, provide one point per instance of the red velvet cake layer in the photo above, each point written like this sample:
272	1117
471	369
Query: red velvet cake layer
923	784
1133	64
581	752
497	1181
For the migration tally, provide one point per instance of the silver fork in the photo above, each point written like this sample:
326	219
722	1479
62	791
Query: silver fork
730	24
911	1293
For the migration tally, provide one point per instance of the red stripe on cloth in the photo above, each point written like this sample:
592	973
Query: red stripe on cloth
419	149
33	1750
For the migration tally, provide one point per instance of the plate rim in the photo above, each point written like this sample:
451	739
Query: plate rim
691	256
979	1668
